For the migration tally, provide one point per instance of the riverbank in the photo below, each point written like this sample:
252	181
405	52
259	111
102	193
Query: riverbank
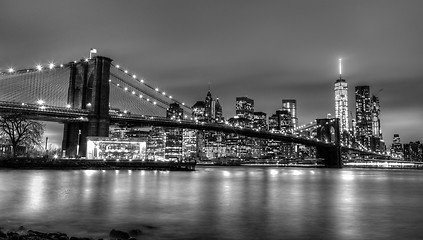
75	164
22	233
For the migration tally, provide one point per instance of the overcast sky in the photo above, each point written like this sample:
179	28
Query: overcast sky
266	50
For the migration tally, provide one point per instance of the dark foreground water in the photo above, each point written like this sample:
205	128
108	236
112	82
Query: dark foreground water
218	203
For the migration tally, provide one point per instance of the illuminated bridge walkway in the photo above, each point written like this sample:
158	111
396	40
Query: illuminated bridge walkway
90	94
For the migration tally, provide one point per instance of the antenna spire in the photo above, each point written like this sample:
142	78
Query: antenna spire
340	68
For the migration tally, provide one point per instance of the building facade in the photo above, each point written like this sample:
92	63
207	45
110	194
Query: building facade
245	108
290	105
341	103
260	121
175	112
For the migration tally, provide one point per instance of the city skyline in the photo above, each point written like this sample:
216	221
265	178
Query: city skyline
244	52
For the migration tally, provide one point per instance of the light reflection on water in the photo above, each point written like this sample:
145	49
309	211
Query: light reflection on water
218	203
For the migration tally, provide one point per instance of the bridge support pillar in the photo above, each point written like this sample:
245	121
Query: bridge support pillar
329	132
332	156
88	89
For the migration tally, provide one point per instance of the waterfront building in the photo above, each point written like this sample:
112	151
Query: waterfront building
156	144
341	101
189	144
245	108
116	148
413	151
377	144
290	105
173	140
173	144
211	145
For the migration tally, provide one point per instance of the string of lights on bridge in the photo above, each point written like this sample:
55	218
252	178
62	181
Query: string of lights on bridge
52	66
142	81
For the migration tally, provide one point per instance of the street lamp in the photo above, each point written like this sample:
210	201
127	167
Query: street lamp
46	147
77	146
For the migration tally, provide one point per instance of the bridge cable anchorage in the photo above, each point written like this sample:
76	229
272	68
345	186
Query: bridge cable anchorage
142	81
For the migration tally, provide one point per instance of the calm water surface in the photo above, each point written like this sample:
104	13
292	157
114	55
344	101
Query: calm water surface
218	203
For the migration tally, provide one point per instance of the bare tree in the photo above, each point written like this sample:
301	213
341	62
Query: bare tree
20	131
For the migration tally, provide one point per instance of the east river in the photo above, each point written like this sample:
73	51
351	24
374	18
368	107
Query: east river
217	203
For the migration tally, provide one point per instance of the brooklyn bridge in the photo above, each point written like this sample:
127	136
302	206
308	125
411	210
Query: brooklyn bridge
90	95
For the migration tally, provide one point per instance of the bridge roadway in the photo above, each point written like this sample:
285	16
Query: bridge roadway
45	112
64	114
137	120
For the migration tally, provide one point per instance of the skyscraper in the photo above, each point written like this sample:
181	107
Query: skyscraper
260	121
396	148
209	107
218	111
363	112
376	130
212	109
341	101
290	105
245	108
284	120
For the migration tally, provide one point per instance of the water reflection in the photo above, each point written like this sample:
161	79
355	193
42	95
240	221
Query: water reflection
218	203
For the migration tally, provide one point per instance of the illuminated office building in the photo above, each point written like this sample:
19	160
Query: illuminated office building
284	120
208	110
245	108
198	111
259	121
273	123
209	106
341	101
376	130
363	111
413	151
173	144
218	113
396	148
156	144
175	112
290	105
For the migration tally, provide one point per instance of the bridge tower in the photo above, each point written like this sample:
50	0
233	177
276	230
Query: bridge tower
328	131
88	89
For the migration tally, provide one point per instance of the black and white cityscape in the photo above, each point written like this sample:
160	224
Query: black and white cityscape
211	119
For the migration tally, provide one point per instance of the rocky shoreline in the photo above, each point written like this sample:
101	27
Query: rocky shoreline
23	234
